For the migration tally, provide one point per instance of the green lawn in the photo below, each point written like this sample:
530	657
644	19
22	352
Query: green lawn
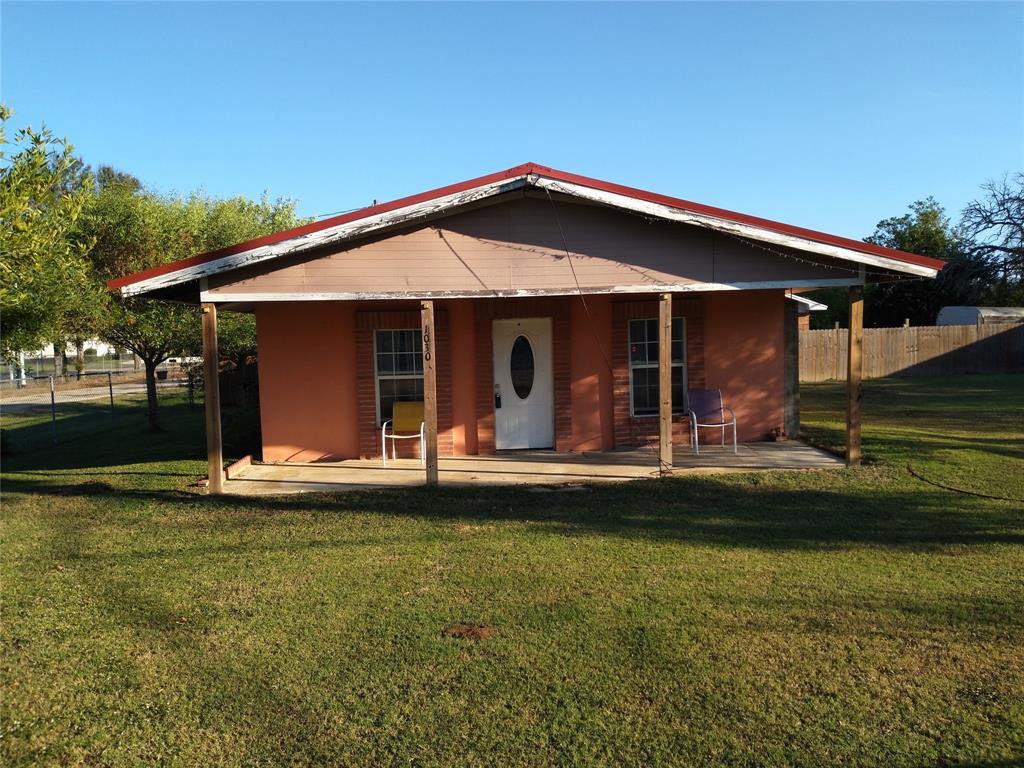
861	617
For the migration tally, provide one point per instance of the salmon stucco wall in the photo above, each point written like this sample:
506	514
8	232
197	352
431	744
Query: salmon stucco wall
312	406
307	359
743	357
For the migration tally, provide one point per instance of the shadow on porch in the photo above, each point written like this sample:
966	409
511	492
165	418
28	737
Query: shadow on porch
540	468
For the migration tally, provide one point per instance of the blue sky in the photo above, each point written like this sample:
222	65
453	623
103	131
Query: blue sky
830	116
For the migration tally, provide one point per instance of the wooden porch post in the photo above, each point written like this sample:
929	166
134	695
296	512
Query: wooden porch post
211	396
854	371
429	389
665	382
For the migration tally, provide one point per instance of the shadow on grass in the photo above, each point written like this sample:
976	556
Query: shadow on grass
90	438
738	512
819	511
924	417
732	511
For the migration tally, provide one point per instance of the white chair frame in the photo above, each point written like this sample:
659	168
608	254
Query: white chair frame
394	453
722	425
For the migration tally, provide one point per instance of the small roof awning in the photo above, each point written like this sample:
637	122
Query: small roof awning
806	304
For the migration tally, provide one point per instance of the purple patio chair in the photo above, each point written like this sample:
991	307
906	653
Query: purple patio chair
707	411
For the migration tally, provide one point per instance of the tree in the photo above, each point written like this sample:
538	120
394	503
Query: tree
236	337
124	227
44	282
133	229
925	230
154	331
995	224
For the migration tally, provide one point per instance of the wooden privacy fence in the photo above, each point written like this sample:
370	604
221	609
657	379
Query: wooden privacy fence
922	351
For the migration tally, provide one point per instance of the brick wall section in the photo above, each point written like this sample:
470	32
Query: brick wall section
488	310
484	378
366	387
562	360
643	430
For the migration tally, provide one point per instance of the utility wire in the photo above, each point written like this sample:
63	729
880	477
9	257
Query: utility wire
339	213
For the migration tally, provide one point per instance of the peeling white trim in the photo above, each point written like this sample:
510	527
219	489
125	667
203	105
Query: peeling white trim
227	296
412	213
339	233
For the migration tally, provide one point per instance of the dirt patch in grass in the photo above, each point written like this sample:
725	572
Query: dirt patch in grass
468	631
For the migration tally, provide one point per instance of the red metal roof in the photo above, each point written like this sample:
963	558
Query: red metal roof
516	172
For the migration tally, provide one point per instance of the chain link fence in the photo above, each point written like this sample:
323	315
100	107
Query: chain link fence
41	411
37	365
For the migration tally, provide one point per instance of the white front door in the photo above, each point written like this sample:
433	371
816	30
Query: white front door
524	401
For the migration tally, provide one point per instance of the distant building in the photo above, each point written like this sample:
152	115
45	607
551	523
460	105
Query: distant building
979	315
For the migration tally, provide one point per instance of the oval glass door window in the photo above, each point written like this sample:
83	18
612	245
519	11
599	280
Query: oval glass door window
521	367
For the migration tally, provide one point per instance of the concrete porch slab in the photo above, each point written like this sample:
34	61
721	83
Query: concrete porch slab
539	468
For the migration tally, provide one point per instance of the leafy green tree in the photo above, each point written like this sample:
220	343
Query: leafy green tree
44	282
924	230
236	337
134	229
927	231
126	230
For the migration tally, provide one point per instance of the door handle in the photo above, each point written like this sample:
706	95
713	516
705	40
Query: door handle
497	400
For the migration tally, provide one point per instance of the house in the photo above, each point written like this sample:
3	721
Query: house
525	309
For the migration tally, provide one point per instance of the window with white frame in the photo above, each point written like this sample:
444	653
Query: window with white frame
399	365
643	366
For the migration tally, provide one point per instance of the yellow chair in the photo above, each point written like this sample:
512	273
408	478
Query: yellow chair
406	422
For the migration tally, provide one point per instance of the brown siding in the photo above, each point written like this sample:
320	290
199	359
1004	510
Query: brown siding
517	245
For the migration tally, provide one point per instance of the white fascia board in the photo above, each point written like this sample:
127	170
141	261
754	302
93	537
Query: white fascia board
728	226
811	304
339	233
227	296
412	213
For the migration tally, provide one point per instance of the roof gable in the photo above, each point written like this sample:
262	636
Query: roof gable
522	246
409	210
